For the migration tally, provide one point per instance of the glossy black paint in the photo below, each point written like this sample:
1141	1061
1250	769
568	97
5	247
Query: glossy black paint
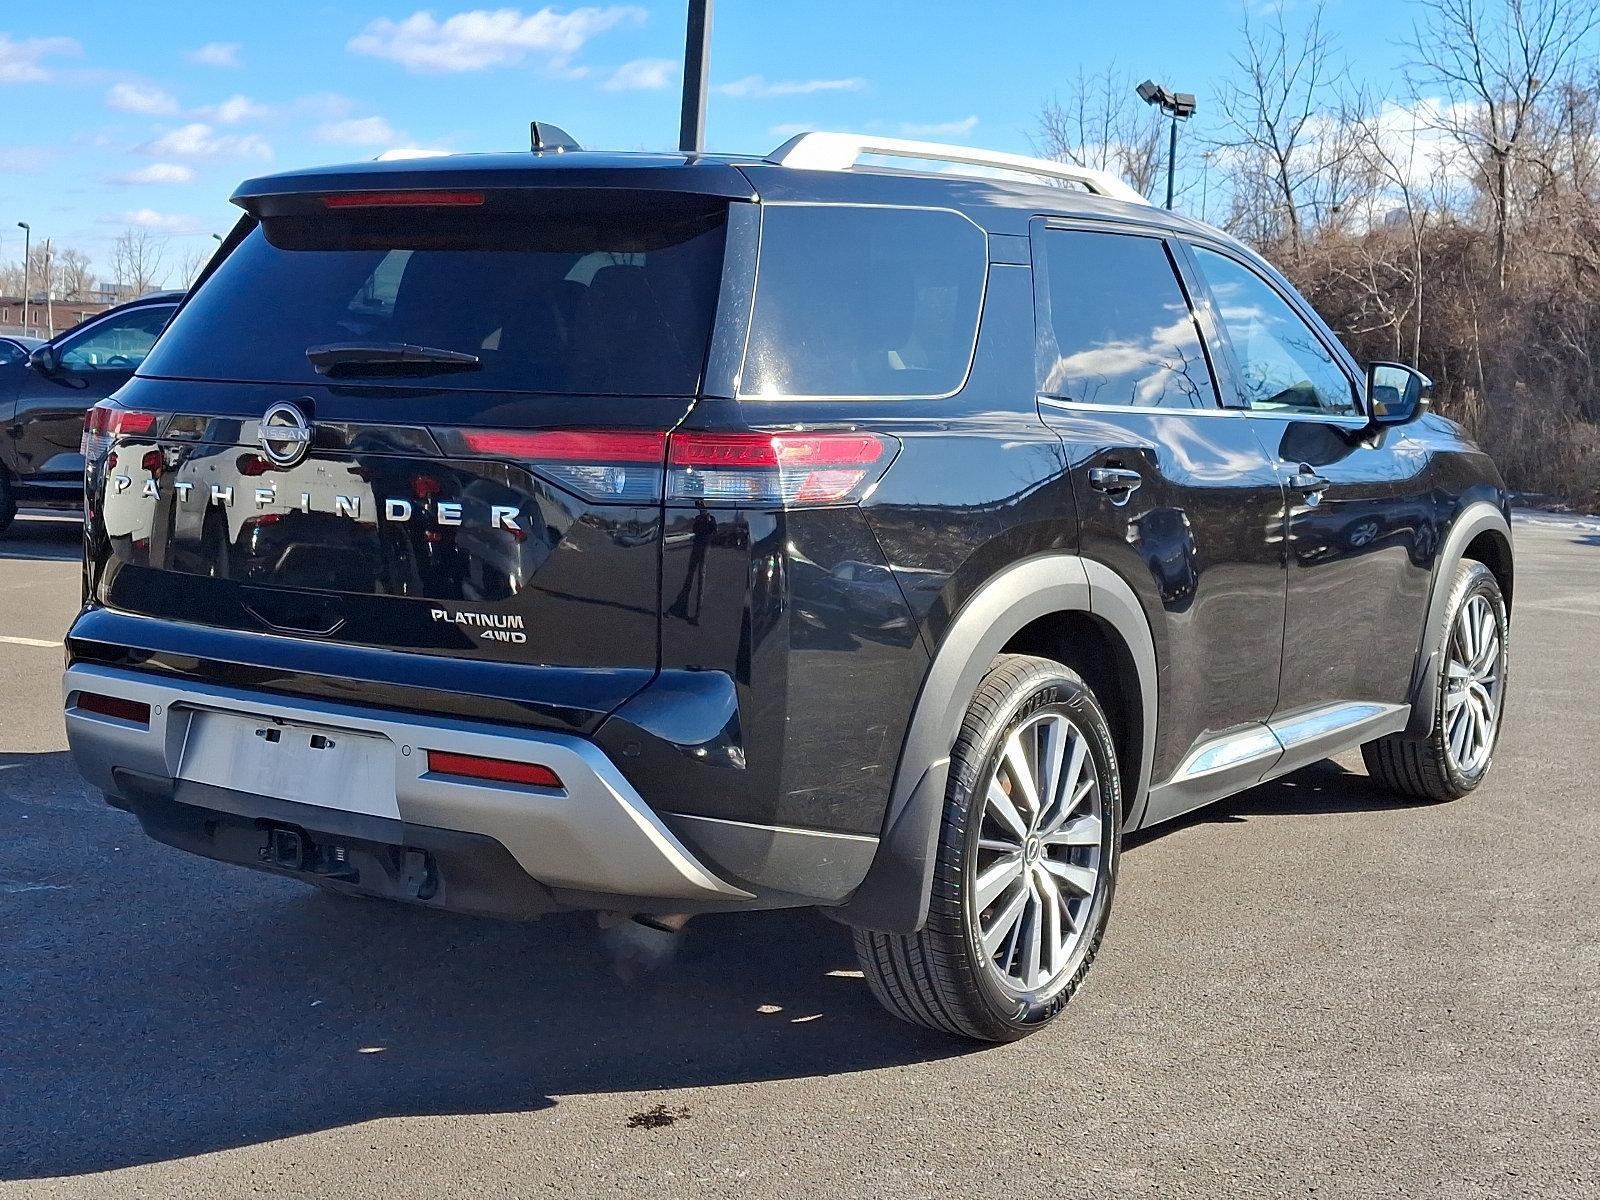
761	665
41	412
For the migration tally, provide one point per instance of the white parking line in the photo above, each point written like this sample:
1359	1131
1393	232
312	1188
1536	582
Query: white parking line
22	641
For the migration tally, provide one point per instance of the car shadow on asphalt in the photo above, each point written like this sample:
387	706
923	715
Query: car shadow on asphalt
162	1006
39	537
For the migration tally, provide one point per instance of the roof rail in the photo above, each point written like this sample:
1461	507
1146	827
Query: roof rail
840	151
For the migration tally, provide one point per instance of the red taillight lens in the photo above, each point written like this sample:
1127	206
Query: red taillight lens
616	466
403	200
104	423
790	470
776	470
114	706
495	770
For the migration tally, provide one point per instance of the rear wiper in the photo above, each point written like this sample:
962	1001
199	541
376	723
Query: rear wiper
387	358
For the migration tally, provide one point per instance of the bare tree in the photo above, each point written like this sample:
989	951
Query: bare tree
1495	59
1290	133
137	262
74	274
1103	125
194	261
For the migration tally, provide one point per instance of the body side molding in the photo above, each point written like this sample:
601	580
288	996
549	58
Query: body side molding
893	898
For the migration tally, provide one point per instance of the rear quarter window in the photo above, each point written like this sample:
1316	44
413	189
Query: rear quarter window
858	301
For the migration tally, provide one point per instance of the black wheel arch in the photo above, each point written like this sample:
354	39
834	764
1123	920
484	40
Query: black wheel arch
1034	605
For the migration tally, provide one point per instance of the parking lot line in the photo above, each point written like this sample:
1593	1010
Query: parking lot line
43	643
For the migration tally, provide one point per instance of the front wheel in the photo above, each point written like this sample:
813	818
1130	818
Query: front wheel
1469	698
8	501
1026	865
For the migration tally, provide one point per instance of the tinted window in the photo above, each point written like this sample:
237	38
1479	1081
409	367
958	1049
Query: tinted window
1118	329
117	343
10	353
864	302
1283	365
590	295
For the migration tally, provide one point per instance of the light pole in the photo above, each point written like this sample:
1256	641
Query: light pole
27	255
1180	106
696	69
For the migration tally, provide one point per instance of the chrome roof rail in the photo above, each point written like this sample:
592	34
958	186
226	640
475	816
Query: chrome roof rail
840	152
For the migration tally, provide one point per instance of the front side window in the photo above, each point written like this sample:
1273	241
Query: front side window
855	301
118	343
1283	365
1116	327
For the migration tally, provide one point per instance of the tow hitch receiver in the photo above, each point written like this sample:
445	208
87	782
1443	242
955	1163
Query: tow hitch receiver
293	850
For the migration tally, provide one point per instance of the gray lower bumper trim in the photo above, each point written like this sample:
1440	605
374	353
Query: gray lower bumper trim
593	834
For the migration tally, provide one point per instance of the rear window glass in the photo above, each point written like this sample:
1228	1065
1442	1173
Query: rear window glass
1115	327
590	296
864	302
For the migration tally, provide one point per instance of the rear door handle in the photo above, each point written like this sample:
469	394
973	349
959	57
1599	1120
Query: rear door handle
1117	482
1307	481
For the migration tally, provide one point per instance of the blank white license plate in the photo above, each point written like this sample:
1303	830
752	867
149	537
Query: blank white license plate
306	764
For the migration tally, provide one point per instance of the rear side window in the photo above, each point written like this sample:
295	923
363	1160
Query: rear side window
854	301
585	295
1114	326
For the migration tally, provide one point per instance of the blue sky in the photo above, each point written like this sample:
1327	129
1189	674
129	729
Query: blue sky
148	115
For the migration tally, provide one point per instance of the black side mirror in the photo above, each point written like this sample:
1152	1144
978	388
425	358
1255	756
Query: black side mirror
1396	393
45	359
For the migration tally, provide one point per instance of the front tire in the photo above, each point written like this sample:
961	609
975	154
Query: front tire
1026	863
8	501
1469	699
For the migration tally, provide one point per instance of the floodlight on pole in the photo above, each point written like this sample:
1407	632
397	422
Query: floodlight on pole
1179	106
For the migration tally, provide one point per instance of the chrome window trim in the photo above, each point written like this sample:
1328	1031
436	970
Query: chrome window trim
744	397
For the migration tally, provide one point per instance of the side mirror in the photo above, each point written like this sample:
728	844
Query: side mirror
1396	393
46	360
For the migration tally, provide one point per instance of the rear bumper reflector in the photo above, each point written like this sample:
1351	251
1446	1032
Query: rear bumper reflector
498	770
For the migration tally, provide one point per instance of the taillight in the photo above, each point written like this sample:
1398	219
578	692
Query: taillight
788	470
775	470
114	706
492	770
104	423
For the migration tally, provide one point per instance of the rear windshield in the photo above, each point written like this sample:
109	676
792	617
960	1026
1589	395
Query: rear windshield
592	294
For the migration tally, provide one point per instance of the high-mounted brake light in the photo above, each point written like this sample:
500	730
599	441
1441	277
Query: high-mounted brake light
403	200
494	770
774	470
105	422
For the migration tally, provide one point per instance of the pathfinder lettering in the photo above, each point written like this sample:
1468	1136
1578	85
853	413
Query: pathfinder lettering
445	513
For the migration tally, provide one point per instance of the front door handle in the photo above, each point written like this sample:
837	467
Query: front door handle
1307	481
1117	482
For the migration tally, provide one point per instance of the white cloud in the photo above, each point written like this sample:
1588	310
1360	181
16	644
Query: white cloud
756	87
326	106
361	131
217	54
160	173
233	110
149	218
940	128
789	128
141	98
480	39
22	62
642	75
200	141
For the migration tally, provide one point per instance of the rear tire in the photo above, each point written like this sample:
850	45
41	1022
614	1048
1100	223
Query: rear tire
1021	890
8	501
1469	682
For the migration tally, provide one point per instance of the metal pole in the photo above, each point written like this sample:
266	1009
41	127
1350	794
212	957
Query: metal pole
696	66
1172	157
27	254
49	292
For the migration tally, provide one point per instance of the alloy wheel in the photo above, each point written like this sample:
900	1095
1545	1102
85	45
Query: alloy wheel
1473	678
1039	855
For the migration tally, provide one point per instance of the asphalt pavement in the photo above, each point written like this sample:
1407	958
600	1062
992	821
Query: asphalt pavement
1310	990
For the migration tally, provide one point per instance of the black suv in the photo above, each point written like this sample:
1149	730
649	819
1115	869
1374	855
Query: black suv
46	388
656	534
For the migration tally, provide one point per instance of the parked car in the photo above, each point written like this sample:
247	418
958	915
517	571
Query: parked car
45	389
661	534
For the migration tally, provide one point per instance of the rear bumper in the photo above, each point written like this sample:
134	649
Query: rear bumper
592	842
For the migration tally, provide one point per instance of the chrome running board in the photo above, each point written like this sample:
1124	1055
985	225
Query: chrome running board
1255	753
